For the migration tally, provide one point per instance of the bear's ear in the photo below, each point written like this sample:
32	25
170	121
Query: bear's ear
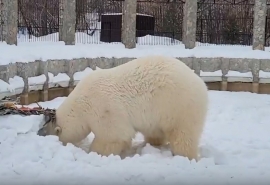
58	130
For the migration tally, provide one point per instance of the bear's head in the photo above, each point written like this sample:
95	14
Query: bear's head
50	126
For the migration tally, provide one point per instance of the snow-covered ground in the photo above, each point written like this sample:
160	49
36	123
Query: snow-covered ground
235	150
45	49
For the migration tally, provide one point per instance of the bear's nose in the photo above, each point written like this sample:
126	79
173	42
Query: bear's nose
41	132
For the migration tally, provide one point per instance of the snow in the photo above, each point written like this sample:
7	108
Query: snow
235	149
239	74
80	75
234	76
5	87
37	80
16	82
61	79
43	48
264	74
214	73
215	76
121	14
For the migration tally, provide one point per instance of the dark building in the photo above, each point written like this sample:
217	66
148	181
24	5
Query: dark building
111	25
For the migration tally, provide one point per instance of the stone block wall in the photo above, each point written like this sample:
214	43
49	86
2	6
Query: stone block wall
226	74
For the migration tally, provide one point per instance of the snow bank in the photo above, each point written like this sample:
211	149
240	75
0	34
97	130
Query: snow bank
43	49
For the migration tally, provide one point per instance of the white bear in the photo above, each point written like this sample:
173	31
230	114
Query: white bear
158	96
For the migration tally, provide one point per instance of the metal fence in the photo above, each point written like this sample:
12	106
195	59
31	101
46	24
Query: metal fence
98	21
38	20
225	22
159	22
267	25
162	19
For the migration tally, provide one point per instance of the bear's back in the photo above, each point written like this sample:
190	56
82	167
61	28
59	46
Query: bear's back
148	73
140	76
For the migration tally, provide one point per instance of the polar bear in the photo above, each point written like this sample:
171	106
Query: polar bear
158	96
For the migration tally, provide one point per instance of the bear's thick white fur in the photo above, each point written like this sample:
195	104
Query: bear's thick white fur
158	96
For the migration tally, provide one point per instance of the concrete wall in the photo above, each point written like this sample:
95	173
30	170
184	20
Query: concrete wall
8	21
219	73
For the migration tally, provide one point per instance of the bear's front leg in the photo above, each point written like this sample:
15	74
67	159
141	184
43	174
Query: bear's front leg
106	148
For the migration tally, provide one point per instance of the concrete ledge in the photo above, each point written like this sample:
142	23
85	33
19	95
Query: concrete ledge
37	96
38	80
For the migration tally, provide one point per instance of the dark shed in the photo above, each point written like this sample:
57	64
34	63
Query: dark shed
111	25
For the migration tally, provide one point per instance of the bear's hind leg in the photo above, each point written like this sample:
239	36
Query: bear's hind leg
184	144
106	148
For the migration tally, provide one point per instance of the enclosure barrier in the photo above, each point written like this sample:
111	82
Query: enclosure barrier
66	18
46	80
